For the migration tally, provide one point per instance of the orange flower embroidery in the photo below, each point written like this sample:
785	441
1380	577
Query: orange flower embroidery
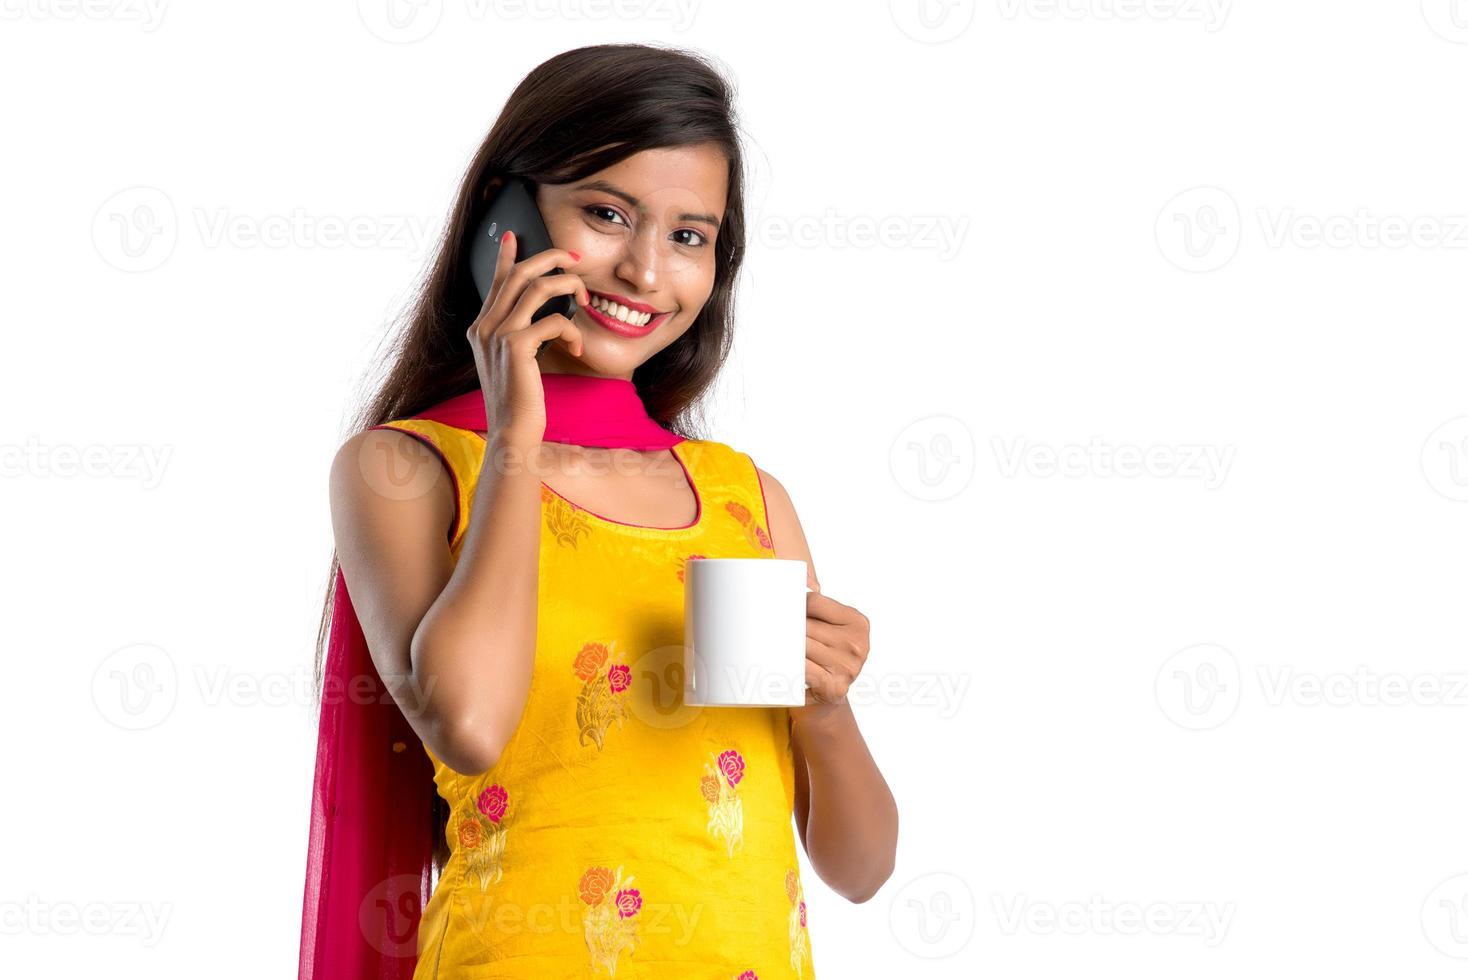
753	532
603	697
610	920
720	787
566	521
595	884
590	660
799	938
482	835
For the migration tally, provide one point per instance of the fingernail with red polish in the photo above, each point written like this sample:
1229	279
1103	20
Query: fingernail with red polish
575	257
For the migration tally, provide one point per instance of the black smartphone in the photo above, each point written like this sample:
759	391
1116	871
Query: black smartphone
513	208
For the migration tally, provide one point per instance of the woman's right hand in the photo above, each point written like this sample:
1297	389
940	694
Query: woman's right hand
505	342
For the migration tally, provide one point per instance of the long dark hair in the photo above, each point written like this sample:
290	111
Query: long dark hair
577	113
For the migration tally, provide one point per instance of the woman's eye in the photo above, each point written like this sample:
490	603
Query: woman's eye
599	211
689	231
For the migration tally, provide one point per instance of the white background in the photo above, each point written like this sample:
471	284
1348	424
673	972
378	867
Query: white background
1203	720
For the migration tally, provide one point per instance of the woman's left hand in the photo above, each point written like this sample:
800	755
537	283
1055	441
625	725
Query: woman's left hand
837	641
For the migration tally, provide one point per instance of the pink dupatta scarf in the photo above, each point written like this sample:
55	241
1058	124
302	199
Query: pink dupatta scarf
369	862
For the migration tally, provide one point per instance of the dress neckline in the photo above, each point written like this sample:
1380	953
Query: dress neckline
677	450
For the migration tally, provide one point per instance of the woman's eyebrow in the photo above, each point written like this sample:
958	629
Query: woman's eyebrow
615	191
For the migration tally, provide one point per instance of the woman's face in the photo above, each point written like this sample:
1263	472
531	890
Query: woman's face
645	230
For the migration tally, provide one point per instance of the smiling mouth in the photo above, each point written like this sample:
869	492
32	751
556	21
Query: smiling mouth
636	319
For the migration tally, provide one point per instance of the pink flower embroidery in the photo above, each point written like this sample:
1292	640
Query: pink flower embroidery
802	914
747	975
492	802
762	537
629	900
731	764
619	677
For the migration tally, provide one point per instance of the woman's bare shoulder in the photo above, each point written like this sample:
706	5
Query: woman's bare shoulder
387	474
786	532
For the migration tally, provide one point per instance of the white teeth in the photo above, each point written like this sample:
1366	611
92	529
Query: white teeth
621	312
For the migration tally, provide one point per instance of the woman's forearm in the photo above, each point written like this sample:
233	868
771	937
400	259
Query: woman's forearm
476	643
851	825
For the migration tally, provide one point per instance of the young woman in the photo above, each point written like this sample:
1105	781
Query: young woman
514	520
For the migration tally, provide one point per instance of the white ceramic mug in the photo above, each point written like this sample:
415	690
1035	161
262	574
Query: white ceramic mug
744	632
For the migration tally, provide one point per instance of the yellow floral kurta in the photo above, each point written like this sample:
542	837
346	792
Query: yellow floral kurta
622	833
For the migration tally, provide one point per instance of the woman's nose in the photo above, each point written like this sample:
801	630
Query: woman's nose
640	265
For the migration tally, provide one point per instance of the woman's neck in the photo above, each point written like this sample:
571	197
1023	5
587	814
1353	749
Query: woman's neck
553	360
